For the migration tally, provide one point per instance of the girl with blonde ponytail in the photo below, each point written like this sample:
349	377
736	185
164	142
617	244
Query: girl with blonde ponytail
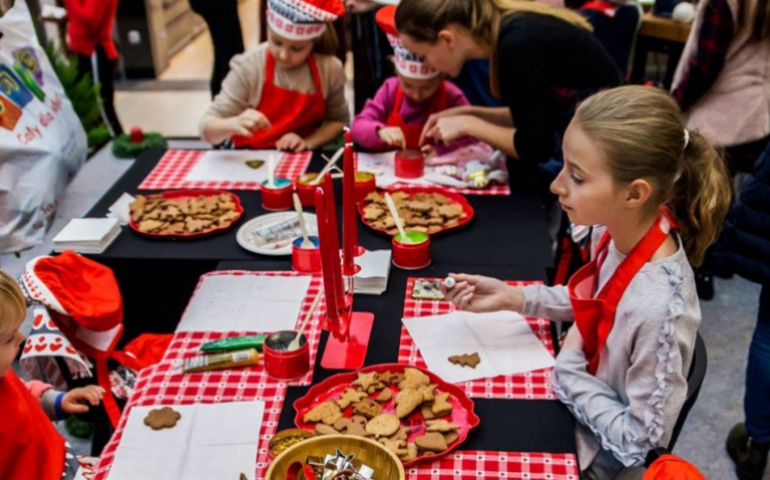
656	194
540	57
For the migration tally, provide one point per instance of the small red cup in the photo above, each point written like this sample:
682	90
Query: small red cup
281	364
306	260
411	256
409	164
278	196
365	183
305	190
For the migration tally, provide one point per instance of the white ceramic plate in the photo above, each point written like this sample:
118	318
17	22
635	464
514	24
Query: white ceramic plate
283	248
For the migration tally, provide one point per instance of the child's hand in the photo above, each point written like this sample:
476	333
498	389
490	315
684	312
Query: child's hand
573	340
392	136
474	293
291	142
248	122
448	129
77	399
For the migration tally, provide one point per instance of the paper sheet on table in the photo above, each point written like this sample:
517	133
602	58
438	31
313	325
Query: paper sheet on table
230	166
209	441
240	303
381	165
504	341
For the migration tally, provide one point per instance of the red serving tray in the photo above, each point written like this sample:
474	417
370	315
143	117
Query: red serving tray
192	193
462	411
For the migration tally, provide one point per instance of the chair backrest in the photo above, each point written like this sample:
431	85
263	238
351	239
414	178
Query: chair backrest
694	382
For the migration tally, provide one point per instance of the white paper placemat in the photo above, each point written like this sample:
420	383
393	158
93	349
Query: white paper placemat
209	441
245	303
230	166
504	341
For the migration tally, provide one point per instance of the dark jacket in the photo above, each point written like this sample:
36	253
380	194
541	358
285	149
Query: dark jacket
744	245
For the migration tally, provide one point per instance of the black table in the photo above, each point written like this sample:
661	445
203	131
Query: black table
506	425
156	278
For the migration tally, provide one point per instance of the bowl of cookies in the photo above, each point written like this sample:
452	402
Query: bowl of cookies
184	213
429	210
410	411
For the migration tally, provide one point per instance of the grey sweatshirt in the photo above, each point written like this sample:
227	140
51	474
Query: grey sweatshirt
631	405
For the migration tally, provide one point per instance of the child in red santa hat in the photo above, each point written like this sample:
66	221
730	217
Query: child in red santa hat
32	448
287	93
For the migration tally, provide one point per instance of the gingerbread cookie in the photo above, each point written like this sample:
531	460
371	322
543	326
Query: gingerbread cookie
366	380
413	379
350	396
383	425
441	426
384	396
323	429
328	412
451	437
466	359
368	408
441	406
406	401
433	441
161	418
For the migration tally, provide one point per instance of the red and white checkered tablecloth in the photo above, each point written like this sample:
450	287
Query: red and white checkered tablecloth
472	465
165	385
490	190
172	169
187	344
535	385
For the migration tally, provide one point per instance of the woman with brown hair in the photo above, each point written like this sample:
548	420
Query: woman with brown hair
541	60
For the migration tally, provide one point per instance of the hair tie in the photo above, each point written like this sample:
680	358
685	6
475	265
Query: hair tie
686	138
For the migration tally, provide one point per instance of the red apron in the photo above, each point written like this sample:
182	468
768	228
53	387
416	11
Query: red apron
31	446
289	111
595	312
412	132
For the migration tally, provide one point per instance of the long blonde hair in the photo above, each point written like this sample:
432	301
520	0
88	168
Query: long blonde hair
13	306
641	132
424	19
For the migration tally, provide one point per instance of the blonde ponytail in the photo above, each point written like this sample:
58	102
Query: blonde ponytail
641	132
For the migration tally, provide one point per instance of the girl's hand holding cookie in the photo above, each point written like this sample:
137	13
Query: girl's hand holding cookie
392	136
474	293
78	399
291	142
248	122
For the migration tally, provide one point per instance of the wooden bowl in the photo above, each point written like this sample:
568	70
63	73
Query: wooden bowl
385	464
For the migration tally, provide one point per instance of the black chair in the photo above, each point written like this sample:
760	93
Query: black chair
694	383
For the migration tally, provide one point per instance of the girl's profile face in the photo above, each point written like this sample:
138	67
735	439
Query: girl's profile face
287	53
439	55
585	186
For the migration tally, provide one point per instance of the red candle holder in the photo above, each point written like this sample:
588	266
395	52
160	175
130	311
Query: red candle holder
306	260
282	364
411	256
409	164
277	196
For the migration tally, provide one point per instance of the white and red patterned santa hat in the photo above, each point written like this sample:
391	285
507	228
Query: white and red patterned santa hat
407	63
302	19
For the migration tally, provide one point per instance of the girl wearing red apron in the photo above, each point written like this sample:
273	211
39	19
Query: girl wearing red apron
657	195
395	117
31	446
287	93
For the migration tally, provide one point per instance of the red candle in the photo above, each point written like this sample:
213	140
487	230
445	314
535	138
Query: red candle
331	214
327	268
349	233
137	136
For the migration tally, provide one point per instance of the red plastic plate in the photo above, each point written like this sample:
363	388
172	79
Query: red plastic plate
462	411
192	193
455	197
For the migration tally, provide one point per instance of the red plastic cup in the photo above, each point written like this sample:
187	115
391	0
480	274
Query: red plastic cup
305	190
411	256
365	183
277	197
281	364
306	260
409	164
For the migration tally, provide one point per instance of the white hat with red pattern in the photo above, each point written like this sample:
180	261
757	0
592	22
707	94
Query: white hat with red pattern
302	19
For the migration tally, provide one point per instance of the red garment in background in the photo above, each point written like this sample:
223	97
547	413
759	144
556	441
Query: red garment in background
90	24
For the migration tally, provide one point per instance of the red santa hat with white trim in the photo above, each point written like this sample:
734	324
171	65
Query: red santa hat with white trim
407	63
82	296
302	19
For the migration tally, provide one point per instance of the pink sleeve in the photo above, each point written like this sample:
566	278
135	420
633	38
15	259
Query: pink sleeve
455	96
374	115
37	388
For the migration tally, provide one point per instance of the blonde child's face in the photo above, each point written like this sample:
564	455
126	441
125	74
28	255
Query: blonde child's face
288	53
585	186
10	341
419	90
